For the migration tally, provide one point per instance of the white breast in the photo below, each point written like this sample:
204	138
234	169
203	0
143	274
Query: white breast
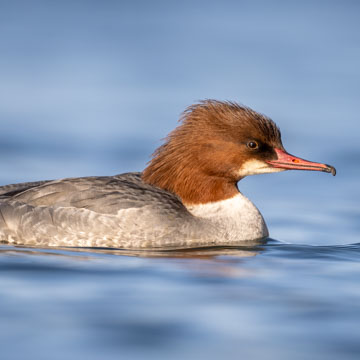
237	218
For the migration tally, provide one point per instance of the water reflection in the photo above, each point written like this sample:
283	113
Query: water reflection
73	253
208	262
225	254
230	262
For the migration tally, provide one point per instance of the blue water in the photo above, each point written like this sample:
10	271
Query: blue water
89	88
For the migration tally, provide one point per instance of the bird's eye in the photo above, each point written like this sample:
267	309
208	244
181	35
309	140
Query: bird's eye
252	145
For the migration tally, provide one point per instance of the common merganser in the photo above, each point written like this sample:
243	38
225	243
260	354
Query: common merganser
186	197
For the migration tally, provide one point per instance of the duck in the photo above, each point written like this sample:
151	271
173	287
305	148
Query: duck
186	197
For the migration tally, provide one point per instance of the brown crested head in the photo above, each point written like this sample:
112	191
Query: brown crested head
217	144
206	155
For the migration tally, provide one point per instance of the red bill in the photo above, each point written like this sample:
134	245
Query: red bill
290	162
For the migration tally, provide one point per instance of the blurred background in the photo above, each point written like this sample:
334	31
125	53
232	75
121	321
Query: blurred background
90	87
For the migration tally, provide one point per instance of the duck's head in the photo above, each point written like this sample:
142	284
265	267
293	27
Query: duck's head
215	146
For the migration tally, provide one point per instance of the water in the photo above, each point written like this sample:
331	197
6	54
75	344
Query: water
282	301
89	88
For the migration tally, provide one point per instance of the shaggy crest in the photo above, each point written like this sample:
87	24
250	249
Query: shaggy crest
225	114
200	158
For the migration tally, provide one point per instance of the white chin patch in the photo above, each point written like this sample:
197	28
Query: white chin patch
253	167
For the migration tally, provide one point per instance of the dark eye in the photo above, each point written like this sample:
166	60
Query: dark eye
252	145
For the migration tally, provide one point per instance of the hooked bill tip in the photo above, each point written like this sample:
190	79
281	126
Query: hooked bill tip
330	169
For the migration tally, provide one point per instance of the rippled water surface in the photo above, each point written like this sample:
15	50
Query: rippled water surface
89	88
284	301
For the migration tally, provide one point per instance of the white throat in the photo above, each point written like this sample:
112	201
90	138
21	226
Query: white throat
237	217
254	167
